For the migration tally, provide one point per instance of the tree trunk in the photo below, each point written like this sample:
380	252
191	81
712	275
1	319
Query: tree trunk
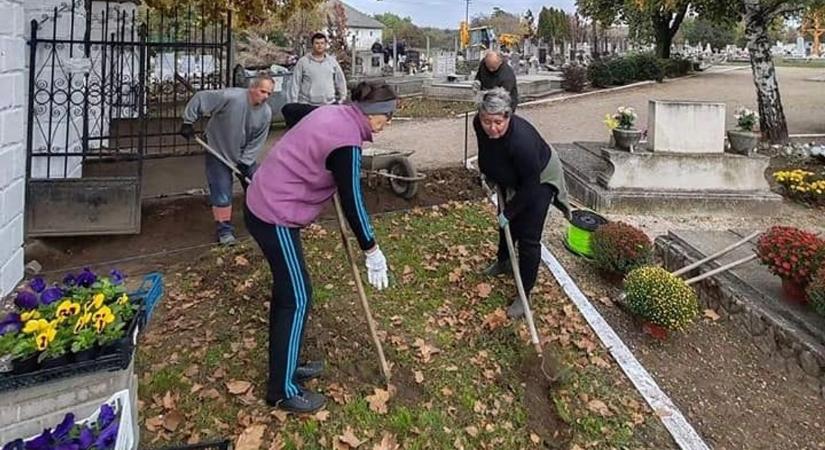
772	120
663	42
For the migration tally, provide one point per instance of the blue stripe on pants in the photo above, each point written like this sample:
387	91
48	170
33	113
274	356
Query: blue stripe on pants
366	228
299	293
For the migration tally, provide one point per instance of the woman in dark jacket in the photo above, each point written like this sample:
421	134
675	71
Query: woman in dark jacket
513	156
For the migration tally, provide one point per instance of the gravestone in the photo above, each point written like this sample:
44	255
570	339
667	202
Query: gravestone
686	127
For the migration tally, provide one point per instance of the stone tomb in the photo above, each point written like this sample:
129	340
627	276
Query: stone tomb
683	168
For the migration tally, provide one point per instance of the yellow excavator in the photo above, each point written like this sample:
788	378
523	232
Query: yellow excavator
476	40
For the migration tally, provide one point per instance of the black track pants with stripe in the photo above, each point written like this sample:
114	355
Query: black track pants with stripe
289	307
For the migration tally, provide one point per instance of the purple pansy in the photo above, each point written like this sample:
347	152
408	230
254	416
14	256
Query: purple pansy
67	446
26	300
42	442
69	280
86	278
116	276
37	284
106	416
86	437
11	323
16	444
107	437
51	295
62	430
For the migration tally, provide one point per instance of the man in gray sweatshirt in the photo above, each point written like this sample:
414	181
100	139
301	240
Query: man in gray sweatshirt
317	78
238	126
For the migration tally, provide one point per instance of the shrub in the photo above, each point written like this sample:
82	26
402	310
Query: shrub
816	291
619	248
802	185
648	67
599	75
574	78
790	253
622	71
676	66
656	295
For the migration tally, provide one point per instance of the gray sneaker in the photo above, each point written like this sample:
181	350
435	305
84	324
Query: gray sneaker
306	402
227	238
498	268
516	309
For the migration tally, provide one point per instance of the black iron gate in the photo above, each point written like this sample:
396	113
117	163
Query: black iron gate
107	84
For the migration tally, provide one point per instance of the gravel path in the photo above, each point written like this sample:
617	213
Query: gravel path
440	142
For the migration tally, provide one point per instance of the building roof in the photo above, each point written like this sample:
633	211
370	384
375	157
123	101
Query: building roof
355	18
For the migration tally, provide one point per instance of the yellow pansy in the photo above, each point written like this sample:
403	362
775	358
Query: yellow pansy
35	326
45	337
67	309
123	300
103	317
29	315
82	321
97	301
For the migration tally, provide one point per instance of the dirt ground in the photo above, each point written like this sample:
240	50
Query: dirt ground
581	119
175	230
734	396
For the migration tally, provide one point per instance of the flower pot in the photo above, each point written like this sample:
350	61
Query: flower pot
24	365
627	139
85	355
793	292
743	142
656	331
52	363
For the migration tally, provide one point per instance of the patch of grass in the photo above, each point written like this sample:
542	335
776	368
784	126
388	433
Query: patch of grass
425	108
472	388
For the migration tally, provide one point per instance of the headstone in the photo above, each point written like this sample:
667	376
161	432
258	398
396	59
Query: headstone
800	46
444	64
686	127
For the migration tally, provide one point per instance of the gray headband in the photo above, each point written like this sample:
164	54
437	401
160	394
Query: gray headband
371	109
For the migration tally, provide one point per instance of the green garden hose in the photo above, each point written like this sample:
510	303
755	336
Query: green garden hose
582	225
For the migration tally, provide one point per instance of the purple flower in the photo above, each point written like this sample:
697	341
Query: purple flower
11	323
86	438
51	295
117	277
62	430
107	437
67	446
37	284
16	444
26	300
42	442
106	416
86	278
69	280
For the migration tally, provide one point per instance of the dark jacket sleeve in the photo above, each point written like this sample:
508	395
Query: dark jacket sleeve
509	83
345	165
526	153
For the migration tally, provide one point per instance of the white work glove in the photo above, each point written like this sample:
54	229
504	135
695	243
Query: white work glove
377	269
476	86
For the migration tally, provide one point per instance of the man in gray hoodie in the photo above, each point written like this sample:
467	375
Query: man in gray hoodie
238	126
317	78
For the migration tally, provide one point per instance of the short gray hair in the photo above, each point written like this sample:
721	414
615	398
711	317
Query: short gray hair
260	77
495	101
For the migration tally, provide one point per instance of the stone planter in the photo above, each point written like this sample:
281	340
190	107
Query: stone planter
627	139
743	142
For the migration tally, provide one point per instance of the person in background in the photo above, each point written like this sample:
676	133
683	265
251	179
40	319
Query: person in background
514	157
319	156
317	78
493	73
238	126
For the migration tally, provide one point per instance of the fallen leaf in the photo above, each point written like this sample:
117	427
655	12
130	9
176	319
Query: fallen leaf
191	371
472	431
712	315
238	387
349	438
378	400
495	319
168	401
277	443
606	301
280	415
154	423
484	290
251	438
241	260
447	392
599	407
388	442
210	393
322	416
535	438
172	420
426	350
419	376
598	361
407	270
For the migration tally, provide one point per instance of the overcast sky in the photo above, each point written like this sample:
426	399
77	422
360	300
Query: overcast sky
448	13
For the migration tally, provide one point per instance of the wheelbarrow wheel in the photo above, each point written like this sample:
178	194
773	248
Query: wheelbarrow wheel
403	167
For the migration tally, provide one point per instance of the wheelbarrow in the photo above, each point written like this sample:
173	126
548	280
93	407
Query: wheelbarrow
396	167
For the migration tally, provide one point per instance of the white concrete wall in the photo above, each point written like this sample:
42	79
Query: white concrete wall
12	143
365	37
686	127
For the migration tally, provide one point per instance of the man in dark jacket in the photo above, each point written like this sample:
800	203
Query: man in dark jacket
493	73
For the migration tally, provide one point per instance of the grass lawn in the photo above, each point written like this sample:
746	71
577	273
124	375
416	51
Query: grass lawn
425	108
463	375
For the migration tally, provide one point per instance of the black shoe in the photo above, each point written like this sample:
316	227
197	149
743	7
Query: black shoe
309	370
498	268
516	309
306	402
